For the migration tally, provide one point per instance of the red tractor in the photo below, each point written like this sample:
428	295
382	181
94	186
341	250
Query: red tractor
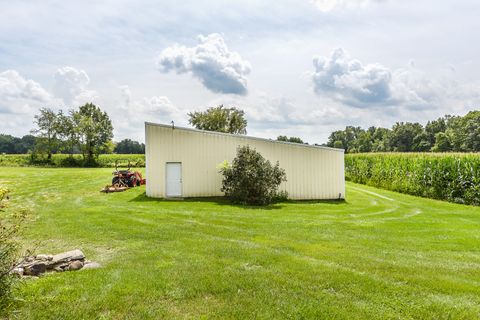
125	177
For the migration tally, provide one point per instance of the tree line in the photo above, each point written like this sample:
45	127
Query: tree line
445	134
26	144
89	131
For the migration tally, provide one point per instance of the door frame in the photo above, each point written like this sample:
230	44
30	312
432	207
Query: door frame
181	179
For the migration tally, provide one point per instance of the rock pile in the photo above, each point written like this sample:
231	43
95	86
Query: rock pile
41	263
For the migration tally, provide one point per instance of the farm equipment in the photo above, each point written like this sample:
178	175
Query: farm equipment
124	178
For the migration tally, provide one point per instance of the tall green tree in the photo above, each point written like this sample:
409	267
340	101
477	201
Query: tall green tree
337	144
128	146
7	143
290	139
220	119
346	137
337	139
363	141
442	143
464	132
15	145
67	131
381	140
421	142
93	129
46	131
432	128
403	135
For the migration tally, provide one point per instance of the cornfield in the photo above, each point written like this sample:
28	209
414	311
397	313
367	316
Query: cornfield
454	177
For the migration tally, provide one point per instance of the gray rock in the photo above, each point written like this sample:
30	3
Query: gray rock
18	271
35	269
63	266
91	265
58	269
42	257
75	265
68	256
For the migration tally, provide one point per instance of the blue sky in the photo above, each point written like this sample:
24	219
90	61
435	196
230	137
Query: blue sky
301	68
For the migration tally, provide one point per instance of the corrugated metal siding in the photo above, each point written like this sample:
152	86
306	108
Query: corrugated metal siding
312	173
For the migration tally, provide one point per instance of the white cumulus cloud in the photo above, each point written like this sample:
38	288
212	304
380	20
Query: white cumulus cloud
154	109
160	108
71	85
264	110
132	112
20	95
329	5
219	69
126	97
357	85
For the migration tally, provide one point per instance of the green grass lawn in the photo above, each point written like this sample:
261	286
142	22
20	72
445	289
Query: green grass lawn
378	255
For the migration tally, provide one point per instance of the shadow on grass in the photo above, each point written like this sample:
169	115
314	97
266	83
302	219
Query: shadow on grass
318	201
222	201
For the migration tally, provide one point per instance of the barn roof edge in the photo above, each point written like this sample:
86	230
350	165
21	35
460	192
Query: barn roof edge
242	136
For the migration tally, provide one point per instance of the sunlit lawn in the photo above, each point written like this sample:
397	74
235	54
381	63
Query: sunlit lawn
378	255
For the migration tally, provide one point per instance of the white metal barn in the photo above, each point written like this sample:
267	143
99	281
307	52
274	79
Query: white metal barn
183	162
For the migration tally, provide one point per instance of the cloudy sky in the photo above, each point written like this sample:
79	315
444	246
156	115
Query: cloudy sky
301	68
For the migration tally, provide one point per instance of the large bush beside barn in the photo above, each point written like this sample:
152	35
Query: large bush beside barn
251	179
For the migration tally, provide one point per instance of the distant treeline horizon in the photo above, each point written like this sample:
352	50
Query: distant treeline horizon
22	145
445	134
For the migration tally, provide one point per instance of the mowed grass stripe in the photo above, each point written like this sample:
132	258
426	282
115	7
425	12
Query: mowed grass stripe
377	255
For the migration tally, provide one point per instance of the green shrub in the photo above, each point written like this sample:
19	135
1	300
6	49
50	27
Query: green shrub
3	196
70	162
251	179
8	250
453	177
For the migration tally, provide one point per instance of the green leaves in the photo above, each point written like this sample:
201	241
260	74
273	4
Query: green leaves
8	250
3	195
88	129
448	133
93	128
251	179
451	177
290	139
220	119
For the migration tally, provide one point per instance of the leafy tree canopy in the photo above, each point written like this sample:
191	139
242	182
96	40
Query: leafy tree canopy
252	179
290	139
448	133
128	146
93	128
47	131
220	119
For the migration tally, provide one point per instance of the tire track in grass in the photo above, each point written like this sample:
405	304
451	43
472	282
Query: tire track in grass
415	210
373	193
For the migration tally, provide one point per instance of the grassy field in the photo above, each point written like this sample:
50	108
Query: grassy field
379	255
65	160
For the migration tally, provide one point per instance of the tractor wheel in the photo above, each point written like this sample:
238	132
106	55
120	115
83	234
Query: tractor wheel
115	181
139	183
131	182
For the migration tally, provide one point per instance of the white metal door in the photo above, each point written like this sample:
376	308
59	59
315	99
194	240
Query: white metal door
174	179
